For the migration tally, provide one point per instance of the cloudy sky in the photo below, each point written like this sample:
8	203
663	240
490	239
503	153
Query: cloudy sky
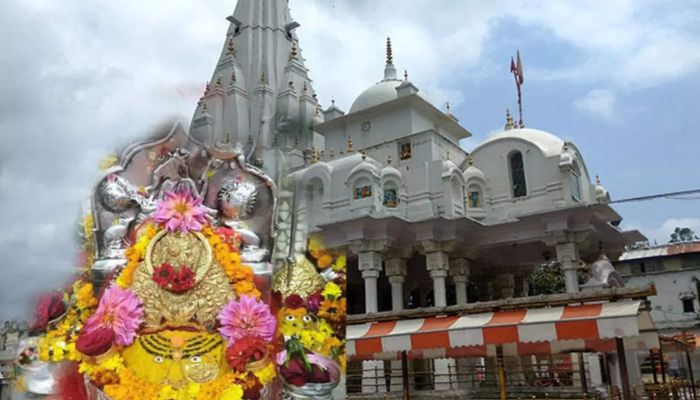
618	78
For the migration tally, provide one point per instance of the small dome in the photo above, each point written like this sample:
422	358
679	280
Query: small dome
474	173
367	165
376	94
390	171
601	194
545	141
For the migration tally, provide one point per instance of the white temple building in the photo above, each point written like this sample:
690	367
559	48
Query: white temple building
424	221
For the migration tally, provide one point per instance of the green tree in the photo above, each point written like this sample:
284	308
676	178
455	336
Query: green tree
681	235
549	279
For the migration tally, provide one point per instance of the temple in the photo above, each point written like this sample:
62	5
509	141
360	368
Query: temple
423	221
432	246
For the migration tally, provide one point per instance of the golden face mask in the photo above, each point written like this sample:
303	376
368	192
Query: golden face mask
177	357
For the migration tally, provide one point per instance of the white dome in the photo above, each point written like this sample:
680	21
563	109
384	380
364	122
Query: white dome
381	92
378	93
474	173
390	171
548	143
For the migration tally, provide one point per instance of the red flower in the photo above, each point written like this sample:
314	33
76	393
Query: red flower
252	392
294	372
244	351
97	342
184	280
177	282
293	301
163	275
50	307
230	237
313	302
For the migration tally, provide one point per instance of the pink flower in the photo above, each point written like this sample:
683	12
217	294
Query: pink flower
245	317
119	310
180	211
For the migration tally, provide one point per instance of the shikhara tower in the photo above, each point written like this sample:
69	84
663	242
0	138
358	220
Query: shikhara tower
259	97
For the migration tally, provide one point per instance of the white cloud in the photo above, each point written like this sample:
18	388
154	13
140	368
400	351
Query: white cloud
81	77
598	102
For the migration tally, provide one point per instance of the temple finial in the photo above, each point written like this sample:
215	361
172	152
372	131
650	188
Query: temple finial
597	179
405	75
389	53
350	150
364	154
510	124
230	47
293	53
388	159
470	161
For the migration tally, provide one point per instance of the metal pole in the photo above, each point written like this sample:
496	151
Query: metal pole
501	373
690	374
652	359
624	376
582	372
404	375
663	363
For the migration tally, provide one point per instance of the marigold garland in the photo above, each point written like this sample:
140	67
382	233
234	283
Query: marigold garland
120	383
241	276
134	255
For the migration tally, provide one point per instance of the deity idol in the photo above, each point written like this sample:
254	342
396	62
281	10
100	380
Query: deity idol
177	298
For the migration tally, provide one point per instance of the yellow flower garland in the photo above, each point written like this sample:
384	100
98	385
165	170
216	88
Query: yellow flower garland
241	276
135	255
120	383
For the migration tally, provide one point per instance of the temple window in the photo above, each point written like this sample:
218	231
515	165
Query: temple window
517	173
391	198
405	151
474	196
362	189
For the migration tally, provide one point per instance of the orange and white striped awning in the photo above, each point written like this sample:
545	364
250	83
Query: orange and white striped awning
524	331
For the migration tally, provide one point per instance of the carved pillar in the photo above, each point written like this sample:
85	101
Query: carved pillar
395	269
438	265
521	286
567	255
370	264
459	270
505	284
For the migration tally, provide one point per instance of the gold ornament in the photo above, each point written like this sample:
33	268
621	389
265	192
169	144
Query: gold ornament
201	304
297	277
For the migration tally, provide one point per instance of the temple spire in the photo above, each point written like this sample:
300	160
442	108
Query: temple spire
389	54
389	69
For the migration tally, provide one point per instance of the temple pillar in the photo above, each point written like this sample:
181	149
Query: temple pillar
459	270
370	264
505	285
521	288
567	255
395	269
438	266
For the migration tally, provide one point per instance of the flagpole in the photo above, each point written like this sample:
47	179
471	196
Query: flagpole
517	69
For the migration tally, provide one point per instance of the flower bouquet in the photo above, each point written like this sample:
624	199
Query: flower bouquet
307	375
